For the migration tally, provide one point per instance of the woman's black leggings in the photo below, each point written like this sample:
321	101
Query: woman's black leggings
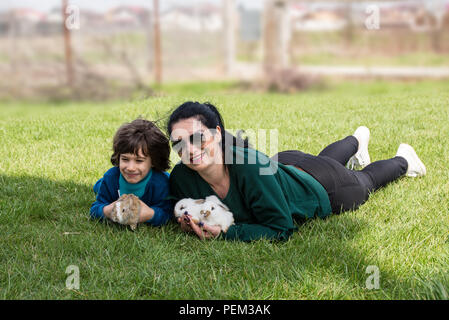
347	189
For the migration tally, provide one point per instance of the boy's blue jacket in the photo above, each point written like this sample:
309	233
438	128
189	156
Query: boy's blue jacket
155	196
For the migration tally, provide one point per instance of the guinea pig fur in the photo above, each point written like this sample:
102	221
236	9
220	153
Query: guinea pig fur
127	210
214	212
189	206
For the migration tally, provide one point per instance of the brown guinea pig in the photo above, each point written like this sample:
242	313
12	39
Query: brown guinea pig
126	210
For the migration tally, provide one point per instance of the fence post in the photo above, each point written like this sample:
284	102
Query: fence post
67	44
157	43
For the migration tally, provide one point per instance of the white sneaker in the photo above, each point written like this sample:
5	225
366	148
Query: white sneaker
361	158
415	166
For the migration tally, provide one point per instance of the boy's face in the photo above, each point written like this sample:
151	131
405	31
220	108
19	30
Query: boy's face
134	167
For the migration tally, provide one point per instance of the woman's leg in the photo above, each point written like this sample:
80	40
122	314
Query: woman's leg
341	150
352	188
378	174
352	150
347	189
290	157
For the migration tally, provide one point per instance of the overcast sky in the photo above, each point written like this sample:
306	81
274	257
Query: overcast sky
102	5
98	5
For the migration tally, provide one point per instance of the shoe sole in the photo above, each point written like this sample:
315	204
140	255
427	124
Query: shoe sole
361	159
416	160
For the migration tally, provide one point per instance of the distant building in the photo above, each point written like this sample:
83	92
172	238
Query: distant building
127	17
51	24
205	17
322	16
398	15
91	21
4	23
316	18
23	21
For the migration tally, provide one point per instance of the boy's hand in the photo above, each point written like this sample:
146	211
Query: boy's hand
107	210
146	213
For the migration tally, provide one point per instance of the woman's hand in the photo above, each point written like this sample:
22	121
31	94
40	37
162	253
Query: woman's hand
205	231
185	223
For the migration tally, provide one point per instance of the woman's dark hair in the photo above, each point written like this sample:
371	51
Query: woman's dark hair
209	116
145	135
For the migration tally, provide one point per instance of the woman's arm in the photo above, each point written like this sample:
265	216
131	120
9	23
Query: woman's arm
269	216
242	232
250	232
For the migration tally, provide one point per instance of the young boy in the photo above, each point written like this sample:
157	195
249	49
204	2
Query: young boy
140	157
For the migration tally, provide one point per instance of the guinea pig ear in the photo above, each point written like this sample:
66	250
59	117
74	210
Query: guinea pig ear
200	201
213	198
223	206
123	197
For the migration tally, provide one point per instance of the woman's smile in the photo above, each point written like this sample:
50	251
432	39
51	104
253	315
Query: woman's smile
197	158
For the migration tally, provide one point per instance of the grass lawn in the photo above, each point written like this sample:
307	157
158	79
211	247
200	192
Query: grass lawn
52	155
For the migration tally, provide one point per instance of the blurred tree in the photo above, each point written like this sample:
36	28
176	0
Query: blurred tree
67	44
348	31
157	44
229	35
276	35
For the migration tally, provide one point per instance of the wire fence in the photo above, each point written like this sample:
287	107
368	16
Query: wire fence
113	50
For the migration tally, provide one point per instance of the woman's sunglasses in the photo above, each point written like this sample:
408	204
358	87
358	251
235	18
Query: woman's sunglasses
197	139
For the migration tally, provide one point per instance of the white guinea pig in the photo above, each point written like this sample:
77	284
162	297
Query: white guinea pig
189	206
215	213
210	211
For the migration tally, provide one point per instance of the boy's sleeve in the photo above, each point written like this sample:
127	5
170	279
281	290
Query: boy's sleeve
104	197
161	204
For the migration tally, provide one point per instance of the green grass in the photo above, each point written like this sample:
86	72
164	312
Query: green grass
52	155
413	59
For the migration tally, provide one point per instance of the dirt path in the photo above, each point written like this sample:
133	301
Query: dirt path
249	71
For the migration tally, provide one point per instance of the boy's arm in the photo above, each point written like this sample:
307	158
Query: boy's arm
146	213
161	205
107	210
102	207
162	213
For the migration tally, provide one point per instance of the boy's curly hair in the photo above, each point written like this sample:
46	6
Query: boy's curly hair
145	135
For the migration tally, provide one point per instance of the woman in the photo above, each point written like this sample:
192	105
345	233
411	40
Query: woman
267	195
